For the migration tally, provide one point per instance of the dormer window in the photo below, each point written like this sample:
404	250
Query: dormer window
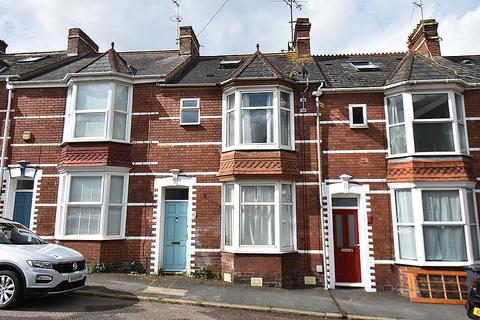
98	111
258	119
426	124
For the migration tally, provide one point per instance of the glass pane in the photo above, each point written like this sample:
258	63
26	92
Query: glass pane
257	126
357	113
459	108
190	103
114	221
83	221
92	96
90	125
190	116
403	199
441	205
25	184
475	248
257	225
287	227
229	188
344	202
86	189
176	194
395	110
285	100
444	243
339	231
430	106
463	137
116	189
286	193
433	137
285	127
228	225
398	140
258	194
259	99
472	212
407	243
230	129
119	126
231	101
121	98
352	236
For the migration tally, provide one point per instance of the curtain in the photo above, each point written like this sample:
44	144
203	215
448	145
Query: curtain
407	243
444	243
441	205
398	139
230	128
85	189
287	226
285	127
403	199
83	221
228	224
257	222
121	98
92	96
257	225
114	222
119	125
90	125
395	110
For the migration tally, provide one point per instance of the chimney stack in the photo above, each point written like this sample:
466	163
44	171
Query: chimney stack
188	42
301	38
79	43
424	39
3	47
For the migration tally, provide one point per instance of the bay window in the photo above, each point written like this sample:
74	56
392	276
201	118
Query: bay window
258	217
426	123
435	226
98	111
92	205
258	119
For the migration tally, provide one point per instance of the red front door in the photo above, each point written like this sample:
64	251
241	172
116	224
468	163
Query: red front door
347	249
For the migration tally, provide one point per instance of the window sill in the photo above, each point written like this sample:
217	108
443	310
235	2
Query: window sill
258	250
88	238
189	124
433	263
94	140
247	147
428	154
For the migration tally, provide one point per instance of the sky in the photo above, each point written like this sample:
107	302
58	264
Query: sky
338	26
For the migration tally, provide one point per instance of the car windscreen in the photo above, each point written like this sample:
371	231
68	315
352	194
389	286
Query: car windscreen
15	234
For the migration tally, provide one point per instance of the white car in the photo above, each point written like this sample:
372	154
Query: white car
29	266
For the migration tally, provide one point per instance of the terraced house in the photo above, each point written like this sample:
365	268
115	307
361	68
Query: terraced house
282	169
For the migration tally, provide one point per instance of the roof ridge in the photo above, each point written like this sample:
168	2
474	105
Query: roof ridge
95	60
244	65
359	54
437	66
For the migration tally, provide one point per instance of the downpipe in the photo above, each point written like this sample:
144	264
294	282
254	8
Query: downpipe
6	128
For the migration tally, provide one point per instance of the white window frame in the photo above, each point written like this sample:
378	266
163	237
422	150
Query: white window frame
419	223
182	108
276	119
350	116
63	202
71	112
410	120
277	248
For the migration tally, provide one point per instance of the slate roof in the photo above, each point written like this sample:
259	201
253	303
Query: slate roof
16	68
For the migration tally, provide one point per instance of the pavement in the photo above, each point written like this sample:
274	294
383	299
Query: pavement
312	302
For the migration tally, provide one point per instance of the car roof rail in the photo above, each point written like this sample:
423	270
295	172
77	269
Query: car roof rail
5	218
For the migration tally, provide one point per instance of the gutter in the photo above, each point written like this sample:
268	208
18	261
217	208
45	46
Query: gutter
5	132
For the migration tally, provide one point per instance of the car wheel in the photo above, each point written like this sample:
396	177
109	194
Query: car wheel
10	289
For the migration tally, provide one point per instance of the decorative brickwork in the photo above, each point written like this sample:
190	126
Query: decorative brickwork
430	170
241	164
95	154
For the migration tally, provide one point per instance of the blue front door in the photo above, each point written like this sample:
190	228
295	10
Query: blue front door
22	208
175	240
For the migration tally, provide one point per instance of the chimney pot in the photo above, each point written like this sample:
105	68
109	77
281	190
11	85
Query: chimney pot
79	43
301	39
424	38
3	47
188	42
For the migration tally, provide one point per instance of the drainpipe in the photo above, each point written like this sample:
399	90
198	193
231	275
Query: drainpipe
317	94
5	133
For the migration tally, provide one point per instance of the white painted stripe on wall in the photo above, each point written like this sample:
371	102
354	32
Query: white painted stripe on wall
52	175
310	251
152	237
379	192
45	204
354	151
357	180
308	172
169	118
141	204
210	117
208	184
384	262
305	141
144	113
146	163
306	183
35	144
39	117
45	165
145	142
474	149
175	144
472	118
207	250
168	174
348	122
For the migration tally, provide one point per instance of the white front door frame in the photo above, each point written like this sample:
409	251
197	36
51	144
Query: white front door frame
159	217
347	189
